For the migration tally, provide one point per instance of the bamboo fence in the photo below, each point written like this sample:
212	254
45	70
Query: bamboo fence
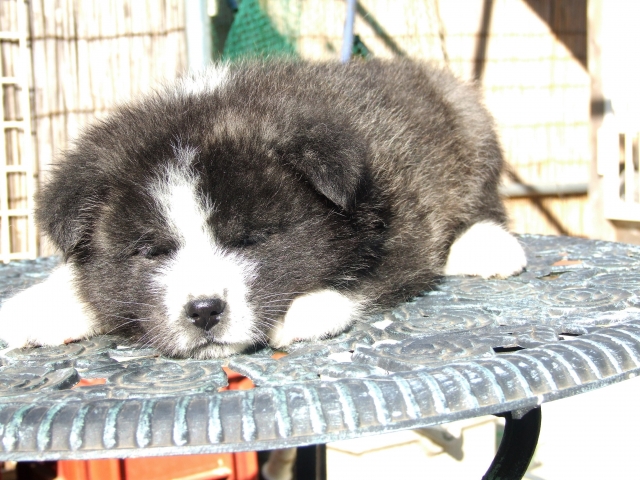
88	56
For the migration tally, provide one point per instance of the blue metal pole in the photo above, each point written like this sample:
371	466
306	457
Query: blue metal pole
347	38
198	30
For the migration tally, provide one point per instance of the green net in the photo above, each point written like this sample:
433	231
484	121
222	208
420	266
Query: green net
263	28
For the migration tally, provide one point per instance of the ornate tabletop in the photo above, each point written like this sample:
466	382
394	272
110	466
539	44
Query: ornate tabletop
568	324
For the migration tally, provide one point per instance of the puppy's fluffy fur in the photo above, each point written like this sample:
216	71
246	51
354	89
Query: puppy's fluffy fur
267	202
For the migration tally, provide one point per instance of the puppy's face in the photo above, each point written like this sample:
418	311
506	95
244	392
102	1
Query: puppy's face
193	223
203	262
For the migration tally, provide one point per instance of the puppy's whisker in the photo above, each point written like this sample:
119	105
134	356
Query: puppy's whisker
282	301
261	296
117	327
129	319
148	334
131	303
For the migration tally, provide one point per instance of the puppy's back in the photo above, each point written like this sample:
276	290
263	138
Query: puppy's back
434	154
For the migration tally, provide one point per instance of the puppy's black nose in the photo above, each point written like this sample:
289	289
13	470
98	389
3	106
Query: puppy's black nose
205	313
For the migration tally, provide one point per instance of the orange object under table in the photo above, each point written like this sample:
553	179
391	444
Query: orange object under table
231	466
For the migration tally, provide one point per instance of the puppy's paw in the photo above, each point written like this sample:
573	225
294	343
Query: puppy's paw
315	315
487	250
48	313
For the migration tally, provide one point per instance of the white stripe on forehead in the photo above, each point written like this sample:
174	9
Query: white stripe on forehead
175	192
200	267
187	216
177	198
186	213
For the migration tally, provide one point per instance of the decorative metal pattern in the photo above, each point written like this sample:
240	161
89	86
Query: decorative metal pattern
569	324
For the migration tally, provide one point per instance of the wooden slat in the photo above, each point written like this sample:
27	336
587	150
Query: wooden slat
17	169
4	219
11	36
8	26
635	139
16	212
629	170
28	159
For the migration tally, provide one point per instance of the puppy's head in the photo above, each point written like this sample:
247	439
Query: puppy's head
193	224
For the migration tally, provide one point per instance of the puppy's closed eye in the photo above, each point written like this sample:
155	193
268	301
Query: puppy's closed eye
251	239
153	252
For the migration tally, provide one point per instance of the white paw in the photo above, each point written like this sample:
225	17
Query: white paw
48	313
487	250
314	316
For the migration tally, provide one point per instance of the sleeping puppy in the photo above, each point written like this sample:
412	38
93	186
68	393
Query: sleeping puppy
267	203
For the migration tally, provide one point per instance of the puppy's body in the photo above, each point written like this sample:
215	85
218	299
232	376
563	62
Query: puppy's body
274	201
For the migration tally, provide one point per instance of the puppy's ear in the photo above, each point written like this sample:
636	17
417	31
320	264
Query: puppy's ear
333	162
67	203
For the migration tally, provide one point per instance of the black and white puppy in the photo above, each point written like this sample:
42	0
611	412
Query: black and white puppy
267	202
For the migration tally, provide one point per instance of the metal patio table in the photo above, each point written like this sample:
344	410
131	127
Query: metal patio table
570	323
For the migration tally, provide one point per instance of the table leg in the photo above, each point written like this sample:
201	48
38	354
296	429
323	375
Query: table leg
517	446
311	463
